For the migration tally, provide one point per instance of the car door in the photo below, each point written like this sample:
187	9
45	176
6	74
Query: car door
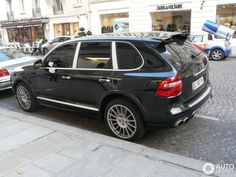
52	80
93	76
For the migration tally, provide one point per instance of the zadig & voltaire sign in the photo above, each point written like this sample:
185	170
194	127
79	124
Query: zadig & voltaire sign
169	6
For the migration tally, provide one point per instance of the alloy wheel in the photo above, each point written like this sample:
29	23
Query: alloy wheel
122	121
23	97
216	55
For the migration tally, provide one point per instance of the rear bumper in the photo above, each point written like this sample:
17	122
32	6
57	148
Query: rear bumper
169	116
227	52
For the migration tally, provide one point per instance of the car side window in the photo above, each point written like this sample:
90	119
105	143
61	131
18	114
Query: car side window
209	37
61	57
95	55
55	40
127	56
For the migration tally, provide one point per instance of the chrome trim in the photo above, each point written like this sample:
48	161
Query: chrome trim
93	69
68	104
196	74
75	60
193	103
114	56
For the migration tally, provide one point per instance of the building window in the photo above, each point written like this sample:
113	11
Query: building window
10	14
77	3
57	8
171	21
117	22
36	11
22	6
226	15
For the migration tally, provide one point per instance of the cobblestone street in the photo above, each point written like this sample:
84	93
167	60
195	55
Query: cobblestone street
209	136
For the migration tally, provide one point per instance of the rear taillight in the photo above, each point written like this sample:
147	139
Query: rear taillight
170	87
3	72
199	47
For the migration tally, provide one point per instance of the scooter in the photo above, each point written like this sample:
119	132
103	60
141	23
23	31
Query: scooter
37	47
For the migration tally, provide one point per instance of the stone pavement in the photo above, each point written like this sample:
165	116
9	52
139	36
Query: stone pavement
35	147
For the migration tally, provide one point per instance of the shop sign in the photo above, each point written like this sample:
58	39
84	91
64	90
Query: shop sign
169	6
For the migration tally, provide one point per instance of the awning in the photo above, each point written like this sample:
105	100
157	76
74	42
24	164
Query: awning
24	23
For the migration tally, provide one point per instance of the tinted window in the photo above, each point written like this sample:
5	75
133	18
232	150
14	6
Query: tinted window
61	57
179	54
95	55
127	56
151	58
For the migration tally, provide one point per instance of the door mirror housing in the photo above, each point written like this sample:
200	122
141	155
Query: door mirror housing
38	64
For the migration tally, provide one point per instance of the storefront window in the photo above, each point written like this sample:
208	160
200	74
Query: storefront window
37	33
66	29
226	15
117	22
13	35
171	21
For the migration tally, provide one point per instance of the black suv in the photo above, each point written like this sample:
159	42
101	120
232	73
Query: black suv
132	80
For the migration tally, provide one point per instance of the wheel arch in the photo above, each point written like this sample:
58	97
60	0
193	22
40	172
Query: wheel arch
16	82
115	95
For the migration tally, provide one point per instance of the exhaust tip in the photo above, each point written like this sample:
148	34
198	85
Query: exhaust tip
178	123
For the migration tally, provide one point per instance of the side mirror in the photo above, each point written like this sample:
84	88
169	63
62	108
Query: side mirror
38	64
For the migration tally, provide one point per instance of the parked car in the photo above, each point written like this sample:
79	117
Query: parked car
216	48
11	58
132	81
49	45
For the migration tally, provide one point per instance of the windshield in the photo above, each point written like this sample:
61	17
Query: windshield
9	53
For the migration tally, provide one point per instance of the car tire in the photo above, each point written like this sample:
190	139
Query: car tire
25	98
124	120
45	51
217	54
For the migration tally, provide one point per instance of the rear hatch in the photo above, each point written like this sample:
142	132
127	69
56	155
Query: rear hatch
188	61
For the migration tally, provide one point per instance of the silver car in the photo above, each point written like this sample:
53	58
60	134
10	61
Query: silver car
10	59
49	45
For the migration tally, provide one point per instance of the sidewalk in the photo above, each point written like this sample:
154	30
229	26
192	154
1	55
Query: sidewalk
35	147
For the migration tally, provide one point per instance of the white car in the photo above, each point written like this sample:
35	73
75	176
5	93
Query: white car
10	59
216	48
49	45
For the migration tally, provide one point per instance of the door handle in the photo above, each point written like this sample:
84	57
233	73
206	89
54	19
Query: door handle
65	77
104	80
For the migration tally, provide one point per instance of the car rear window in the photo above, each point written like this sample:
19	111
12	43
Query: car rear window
179	54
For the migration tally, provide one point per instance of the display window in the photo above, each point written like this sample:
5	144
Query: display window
66	29
37	33
13	35
116	22
226	15
171	21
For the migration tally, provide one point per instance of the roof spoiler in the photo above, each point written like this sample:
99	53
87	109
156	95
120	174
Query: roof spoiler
178	38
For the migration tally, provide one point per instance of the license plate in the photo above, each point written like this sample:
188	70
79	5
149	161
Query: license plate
196	84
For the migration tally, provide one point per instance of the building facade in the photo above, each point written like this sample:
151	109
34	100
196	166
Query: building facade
24	21
168	15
